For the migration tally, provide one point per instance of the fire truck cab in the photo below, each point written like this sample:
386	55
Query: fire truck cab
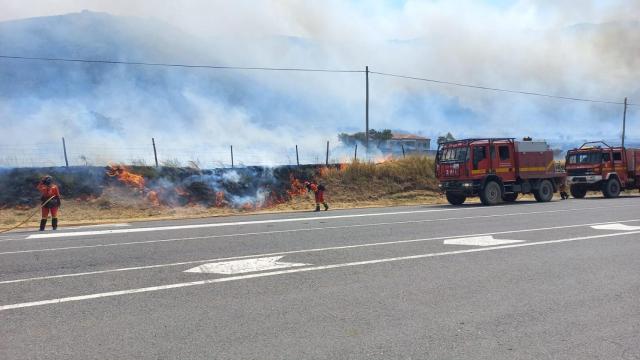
596	166
496	170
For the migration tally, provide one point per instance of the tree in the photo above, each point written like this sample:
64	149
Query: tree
445	138
377	137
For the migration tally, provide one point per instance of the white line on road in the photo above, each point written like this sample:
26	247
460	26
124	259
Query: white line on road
298	270
270	221
486	240
235	223
616	226
11	236
294	230
344	247
244	266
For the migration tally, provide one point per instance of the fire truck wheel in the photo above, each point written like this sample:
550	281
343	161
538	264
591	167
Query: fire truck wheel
510	197
544	192
455	198
578	191
491	194
611	188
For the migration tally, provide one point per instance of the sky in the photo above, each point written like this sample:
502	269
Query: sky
555	47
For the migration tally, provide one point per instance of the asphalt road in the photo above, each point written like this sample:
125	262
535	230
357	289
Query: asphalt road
557	280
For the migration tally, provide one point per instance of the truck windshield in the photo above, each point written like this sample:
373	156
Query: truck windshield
585	158
453	154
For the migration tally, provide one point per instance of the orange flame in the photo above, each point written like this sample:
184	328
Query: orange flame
248	206
220	202
382	158
126	177
180	191
153	197
296	187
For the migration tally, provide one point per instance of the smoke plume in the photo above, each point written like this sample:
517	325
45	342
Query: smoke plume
111	112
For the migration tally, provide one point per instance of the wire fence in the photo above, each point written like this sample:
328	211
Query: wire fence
203	156
69	153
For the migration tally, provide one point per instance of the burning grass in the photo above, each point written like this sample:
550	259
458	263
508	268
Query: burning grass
127	193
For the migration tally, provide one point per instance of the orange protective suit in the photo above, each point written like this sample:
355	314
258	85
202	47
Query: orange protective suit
47	192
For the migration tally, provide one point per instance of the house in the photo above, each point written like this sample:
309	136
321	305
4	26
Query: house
412	144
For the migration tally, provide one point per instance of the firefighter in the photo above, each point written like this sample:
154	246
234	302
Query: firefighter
50	202
318	192
563	191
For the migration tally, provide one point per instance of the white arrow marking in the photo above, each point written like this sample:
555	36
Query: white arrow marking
621	227
244	266
479	241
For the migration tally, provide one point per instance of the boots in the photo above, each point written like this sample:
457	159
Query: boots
317	207
43	223
54	223
326	206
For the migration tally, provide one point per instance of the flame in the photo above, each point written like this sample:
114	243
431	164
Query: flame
296	187
220	201
125	176
180	191
153	197
133	180
158	195
248	206
382	158
323	171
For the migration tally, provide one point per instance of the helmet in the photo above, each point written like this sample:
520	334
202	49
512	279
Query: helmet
47	180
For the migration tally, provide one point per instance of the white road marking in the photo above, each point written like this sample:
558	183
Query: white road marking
276	253
236	223
95	226
11	235
616	226
298	270
272	221
12	239
486	240
244	266
297	230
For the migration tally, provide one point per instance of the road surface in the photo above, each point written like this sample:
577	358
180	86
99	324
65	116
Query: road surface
558	280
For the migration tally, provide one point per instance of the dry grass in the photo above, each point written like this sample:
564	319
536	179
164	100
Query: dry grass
105	210
366	182
409	181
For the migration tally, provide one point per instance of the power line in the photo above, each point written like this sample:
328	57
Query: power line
500	90
220	67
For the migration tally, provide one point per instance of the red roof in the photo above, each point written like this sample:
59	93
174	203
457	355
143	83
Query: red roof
399	136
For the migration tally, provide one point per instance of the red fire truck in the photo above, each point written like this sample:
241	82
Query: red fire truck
596	166
496	169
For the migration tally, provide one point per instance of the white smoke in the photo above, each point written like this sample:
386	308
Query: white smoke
556	47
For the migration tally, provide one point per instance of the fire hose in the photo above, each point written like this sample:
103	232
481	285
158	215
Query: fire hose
28	218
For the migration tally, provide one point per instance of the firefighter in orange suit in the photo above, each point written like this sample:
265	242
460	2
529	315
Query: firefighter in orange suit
50	200
318	191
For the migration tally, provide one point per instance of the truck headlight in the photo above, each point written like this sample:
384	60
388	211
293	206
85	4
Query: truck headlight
467	184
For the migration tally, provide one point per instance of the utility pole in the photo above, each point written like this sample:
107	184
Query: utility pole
624	120
155	154
355	153
64	149
232	156
327	159
366	131
297	157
